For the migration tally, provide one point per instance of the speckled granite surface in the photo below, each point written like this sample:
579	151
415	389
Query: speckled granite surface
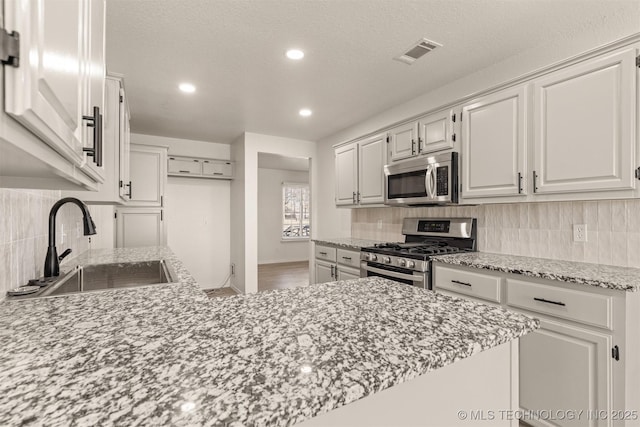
168	355
603	276
347	242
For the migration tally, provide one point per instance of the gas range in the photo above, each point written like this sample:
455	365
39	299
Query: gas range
424	238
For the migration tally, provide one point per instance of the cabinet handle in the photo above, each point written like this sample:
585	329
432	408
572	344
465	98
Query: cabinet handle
461	283
354	197
348	258
413	146
332	274
184	171
549	302
130	186
95	122
323	253
419	144
535	182
358	197
218	173
519	183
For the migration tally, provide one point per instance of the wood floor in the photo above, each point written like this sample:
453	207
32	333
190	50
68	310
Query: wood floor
283	275
272	276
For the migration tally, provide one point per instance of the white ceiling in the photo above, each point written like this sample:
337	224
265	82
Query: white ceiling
233	51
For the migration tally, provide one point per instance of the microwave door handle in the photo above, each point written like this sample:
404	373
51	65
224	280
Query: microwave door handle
428	180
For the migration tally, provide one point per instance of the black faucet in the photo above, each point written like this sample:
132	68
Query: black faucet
51	262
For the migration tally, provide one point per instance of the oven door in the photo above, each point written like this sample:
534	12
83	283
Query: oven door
402	275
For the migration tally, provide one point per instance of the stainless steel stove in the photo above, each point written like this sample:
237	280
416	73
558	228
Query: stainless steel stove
410	261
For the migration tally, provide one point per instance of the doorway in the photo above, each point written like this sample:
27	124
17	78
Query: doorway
284	221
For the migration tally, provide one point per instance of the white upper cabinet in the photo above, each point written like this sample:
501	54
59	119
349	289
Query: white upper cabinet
371	160
584	125
494	144
402	141
435	132
346	163
359	171
148	175
49	92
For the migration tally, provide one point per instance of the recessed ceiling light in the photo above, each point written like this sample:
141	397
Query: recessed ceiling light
295	54
187	87
305	112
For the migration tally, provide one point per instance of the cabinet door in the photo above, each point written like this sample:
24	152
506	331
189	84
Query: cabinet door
138	227
565	367
95	87
125	147
346	160
324	272
435	132
184	166
584	125
371	160
494	144
345	273
45	93
148	175
219	169
402	141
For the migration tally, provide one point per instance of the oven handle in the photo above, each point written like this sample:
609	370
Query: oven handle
390	273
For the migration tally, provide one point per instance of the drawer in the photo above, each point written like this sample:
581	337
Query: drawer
483	286
326	253
583	307
350	258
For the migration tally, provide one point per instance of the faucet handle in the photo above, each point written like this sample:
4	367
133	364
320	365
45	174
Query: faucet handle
64	254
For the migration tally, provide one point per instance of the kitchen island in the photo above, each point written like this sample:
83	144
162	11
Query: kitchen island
168	355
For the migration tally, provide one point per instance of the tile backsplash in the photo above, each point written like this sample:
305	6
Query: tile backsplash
24	228
542	230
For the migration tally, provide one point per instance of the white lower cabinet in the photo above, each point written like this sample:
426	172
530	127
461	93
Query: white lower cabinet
564	367
137	227
584	357
336	264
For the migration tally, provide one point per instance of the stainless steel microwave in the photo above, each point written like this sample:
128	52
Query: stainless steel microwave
426	180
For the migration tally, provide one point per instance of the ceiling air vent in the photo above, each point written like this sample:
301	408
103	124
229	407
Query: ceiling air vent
417	50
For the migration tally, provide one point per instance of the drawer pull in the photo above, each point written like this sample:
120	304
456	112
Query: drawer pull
185	171
348	258
461	283
549	302
323	253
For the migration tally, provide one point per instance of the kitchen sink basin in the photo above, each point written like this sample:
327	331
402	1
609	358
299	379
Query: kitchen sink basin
101	277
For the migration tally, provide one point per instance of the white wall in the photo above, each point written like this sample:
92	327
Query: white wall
238	207
197	212
198	221
332	220
245	198
271	247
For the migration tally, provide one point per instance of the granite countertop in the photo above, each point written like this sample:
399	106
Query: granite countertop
603	276
348	242
167	355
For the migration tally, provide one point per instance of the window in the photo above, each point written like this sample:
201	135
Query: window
295	211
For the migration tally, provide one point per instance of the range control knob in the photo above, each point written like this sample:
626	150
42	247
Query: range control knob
402	262
411	264
373	257
386	260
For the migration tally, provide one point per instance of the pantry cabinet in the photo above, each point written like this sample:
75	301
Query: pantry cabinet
585	125
57	90
494	144
359	171
583	355
433	132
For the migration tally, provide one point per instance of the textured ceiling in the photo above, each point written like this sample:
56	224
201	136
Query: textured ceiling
233	51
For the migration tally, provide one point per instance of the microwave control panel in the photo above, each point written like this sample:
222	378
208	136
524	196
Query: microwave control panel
442	180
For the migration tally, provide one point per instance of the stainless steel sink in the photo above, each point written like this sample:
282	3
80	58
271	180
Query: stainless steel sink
101	277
